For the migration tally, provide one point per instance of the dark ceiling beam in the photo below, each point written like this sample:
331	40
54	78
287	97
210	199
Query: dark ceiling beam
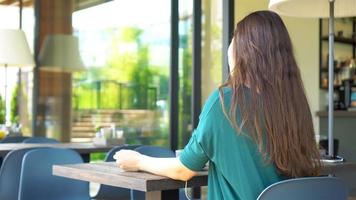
8	2
26	3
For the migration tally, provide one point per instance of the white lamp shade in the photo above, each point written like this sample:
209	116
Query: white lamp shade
313	8
14	49
60	53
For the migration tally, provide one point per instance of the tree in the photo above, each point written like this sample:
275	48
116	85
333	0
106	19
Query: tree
14	105
130	66
127	65
127	81
2	110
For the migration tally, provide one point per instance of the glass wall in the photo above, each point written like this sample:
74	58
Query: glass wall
185	70
126	53
18	81
211	46
211	69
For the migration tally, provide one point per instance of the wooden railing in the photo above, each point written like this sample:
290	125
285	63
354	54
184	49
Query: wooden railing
110	94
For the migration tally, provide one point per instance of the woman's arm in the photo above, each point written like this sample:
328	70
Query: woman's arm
129	160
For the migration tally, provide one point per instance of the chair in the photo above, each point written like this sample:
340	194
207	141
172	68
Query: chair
14	139
155	151
37	181
311	188
40	140
10	173
109	192
152	151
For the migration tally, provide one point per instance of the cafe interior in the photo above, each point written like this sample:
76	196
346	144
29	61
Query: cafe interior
82	79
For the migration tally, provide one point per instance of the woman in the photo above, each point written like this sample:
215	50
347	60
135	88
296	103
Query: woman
256	129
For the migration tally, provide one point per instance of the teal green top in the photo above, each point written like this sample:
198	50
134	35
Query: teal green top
236	168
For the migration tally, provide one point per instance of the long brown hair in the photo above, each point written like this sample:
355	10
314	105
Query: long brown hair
276	112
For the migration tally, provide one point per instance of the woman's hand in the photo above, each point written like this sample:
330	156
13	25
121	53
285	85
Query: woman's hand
128	160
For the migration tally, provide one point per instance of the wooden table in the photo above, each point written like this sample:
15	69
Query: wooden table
158	187
155	187
84	149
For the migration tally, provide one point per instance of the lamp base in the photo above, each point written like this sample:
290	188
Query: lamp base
332	159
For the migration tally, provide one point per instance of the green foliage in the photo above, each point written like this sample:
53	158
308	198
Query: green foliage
127	81
128	66
2	110
14	105
97	157
186	94
131	34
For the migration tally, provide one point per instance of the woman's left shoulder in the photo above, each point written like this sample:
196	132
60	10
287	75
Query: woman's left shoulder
215	95
213	102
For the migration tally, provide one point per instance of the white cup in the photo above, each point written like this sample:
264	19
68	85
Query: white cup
119	133
106	132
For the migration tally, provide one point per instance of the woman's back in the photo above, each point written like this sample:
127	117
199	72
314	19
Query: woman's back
236	167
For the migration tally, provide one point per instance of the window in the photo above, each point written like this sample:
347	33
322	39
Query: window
211	69
19	102
126	55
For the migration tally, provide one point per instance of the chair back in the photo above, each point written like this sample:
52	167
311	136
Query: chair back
152	151
110	155
110	192
10	173
14	139
37	181
311	188
40	140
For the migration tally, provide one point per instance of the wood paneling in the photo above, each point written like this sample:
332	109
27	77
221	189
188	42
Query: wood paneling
55	88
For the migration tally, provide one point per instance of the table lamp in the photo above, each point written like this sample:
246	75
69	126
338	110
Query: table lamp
60	53
14	51
320	9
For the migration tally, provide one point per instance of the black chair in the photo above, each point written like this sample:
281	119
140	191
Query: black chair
109	192
324	143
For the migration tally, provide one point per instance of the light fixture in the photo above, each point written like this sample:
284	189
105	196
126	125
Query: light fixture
320	9
14	52
60	53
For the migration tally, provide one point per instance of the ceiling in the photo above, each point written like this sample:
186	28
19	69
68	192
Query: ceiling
25	3
78	4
